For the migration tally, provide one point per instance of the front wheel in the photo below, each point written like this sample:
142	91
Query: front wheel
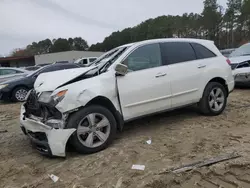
214	99
19	94
95	129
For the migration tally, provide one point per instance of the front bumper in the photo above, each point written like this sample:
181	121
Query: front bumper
242	80
4	95
47	140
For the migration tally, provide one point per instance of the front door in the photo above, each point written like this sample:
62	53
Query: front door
145	89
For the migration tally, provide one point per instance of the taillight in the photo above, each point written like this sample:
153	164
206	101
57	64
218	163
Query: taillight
228	61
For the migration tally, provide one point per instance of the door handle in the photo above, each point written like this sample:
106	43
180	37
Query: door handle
201	66
160	75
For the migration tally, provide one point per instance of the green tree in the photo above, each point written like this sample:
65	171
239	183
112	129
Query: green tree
245	18
60	45
212	19
232	22
79	44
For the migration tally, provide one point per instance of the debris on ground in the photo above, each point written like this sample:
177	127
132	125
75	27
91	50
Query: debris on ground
3	131
180	137
53	177
138	167
119	183
149	142
206	162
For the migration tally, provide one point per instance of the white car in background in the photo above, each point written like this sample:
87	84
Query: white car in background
86	106
86	61
240	63
8	73
227	52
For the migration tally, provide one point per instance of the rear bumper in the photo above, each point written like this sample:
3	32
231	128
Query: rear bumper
47	140
231	86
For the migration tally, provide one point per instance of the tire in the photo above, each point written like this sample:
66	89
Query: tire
207	105
18	94
81	119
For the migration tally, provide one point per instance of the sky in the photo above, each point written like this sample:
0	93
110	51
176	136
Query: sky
26	21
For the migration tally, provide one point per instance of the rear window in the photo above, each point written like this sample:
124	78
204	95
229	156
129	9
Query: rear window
177	52
202	52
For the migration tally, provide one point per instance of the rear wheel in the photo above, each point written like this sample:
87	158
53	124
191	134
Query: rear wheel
214	99
19	94
95	129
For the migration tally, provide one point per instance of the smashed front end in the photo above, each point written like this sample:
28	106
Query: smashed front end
45	126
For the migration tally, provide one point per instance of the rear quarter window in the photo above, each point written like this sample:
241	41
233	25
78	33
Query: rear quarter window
202	52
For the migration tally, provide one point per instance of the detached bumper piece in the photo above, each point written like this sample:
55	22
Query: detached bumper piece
40	142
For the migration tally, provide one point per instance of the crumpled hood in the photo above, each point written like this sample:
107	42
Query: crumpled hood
51	80
239	59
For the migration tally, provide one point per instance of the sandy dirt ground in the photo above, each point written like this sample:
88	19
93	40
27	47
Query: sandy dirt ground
178	138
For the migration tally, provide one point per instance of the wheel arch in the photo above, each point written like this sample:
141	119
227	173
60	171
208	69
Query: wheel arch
220	80
17	86
105	102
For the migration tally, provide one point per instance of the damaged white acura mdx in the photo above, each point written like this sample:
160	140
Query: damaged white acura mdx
86	106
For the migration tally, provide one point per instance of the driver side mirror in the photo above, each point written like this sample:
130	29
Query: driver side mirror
121	69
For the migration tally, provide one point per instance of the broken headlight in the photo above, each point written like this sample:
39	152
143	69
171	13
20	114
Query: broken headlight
59	97
45	97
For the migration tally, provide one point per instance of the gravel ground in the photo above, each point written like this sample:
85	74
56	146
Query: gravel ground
179	137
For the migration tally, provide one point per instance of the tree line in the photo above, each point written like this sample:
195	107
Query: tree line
228	28
51	46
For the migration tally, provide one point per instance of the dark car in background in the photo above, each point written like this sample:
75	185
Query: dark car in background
17	89
32	68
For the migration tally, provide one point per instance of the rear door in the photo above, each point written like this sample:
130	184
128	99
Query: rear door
185	72
145	89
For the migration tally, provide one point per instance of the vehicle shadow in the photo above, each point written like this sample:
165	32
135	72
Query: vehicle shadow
242	87
168	120
161	119
8	102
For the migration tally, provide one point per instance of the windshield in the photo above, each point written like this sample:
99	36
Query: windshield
109	55
241	51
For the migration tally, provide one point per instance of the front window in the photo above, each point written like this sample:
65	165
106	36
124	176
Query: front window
145	57
241	51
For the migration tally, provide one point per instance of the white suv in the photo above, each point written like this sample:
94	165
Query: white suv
86	106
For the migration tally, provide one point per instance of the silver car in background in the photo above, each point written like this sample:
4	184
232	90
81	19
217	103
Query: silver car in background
8	73
227	52
240	63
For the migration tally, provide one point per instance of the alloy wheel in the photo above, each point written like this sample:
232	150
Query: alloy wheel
216	99
93	130
21	94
